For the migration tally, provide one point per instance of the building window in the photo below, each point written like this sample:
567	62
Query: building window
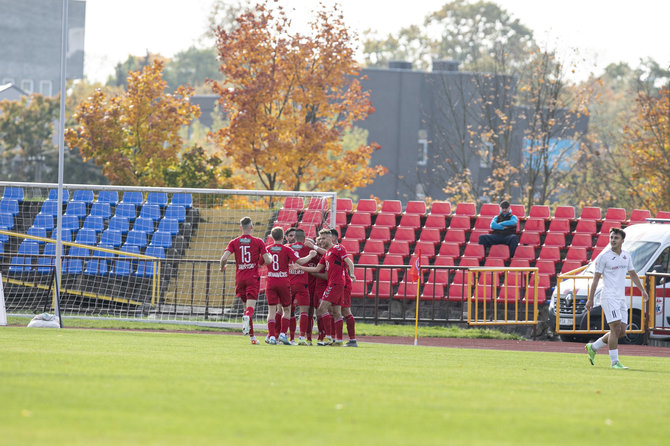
45	88
422	158
27	85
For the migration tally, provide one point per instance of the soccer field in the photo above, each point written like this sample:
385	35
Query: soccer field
98	387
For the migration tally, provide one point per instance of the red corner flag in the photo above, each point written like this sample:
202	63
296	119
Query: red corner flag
415	263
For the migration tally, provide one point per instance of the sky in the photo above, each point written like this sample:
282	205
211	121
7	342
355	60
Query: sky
588	33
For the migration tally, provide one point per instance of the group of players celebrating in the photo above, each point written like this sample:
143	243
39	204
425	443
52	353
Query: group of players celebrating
311	276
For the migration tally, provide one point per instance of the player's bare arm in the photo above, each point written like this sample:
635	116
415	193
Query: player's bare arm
224	261
350	265
638	283
592	291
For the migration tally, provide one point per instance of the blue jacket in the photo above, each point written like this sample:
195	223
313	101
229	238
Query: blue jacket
504	223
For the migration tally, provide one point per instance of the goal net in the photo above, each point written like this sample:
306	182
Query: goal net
138	253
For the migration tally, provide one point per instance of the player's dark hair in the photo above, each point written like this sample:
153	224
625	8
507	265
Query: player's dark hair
277	234
618	231
299	234
246	222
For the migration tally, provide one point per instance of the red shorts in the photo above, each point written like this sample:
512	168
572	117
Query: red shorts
334	294
247	288
300	295
278	294
346	297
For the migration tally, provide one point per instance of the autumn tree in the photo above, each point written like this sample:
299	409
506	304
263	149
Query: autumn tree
26	136
134	137
289	98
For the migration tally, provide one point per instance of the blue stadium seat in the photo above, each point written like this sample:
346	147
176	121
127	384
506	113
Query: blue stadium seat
83	195
159	198
136	238
162	239
70	222
13	193
6	221
169	225
111	237
99	267
133	197
108	196
37	232
76	258
124	265
49	207
45	221
94	222
76	208
44	264
153	211
144	224
86	237
101	209
127	210
176	211
9	206
23	263
53	195
65	234
182	199
145	268
119	223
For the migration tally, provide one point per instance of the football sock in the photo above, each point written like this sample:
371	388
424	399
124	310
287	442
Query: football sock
304	323
249	312
338	329
329	324
271	328
278	318
321	323
292	327
351	326
614	355
285	323
598	344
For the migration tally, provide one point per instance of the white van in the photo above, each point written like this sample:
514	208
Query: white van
649	244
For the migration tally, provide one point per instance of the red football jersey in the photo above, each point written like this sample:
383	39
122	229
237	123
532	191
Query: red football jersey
335	266
248	251
298	276
281	257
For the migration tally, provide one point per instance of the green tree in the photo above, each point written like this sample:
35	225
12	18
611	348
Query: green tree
193	67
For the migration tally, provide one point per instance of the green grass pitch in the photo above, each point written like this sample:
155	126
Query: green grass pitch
84	387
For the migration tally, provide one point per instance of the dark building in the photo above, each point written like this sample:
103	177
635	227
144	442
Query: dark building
430	126
30	32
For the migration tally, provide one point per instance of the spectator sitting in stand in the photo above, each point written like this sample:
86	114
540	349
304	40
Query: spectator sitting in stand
503	226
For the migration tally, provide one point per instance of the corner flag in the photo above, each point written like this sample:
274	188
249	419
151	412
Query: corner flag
415	264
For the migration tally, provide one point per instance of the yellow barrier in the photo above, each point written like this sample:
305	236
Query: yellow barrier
595	322
512	301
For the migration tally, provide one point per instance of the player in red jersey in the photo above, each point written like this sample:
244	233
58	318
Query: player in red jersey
300	282
278	289
346	306
335	260
249	252
317	285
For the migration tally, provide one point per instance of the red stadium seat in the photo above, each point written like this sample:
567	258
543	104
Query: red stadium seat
582	241
474	235
540	211
440	208
586	227
551	253
615	214
510	293
595	252
416	207
555	239
530	239
519	210
457	293
392	207
361	219
360	289
407	290
519	263
534	225
558	225
460	222
591	213
364	274
483	223
607	225
455	236
530	296
494	262
439	276
430	235
384	289
577	254
380	233
340	218
295	203
489	210
451	250
345	205
499	252
373	247
474	250
368	259
663	214
546	267
524	253
432	291
399	247
352	246
366	205
385	219
354	232
570	265
639	216
287	216
565	212
318	203
310	230
406	234
390	274
603	240
468	209
427	249
433	221
443	261
411	221
312	217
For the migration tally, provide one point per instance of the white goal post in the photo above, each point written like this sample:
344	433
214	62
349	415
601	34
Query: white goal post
139	253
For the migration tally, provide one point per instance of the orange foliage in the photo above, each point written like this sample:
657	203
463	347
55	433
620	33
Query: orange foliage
289	98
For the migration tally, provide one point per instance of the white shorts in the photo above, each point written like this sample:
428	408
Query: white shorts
615	310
